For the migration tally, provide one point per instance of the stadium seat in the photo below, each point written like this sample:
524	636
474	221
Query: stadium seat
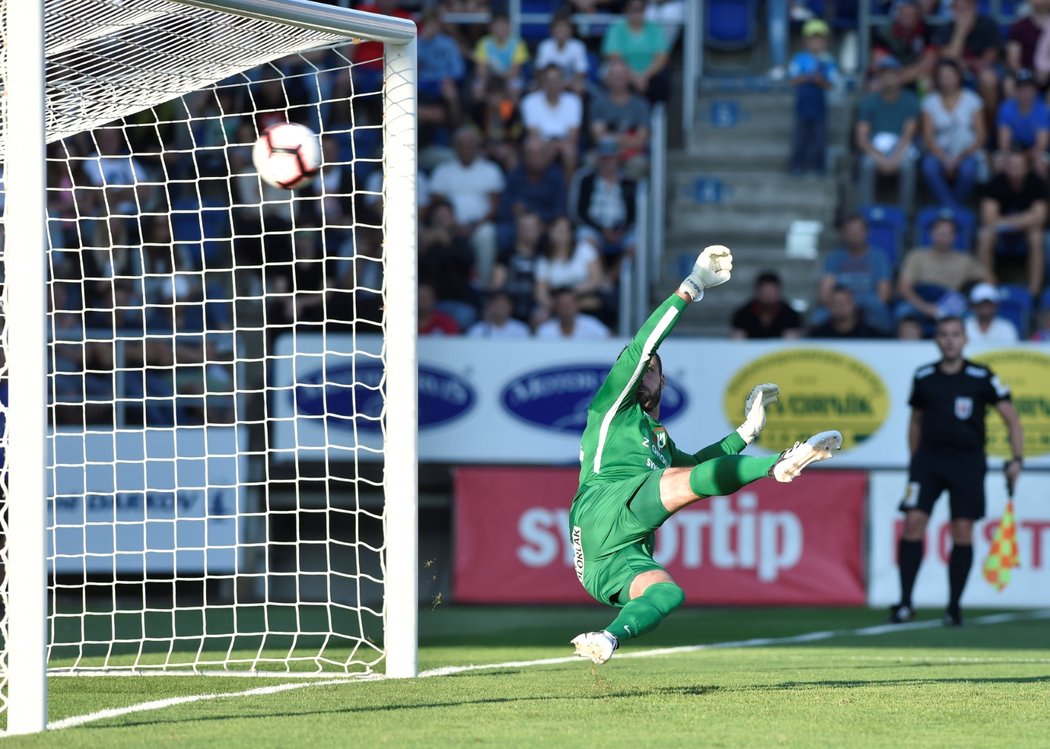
730	24
535	32
965	223
886	229
1015	304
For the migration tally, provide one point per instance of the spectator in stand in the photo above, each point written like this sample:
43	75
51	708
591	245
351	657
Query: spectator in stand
669	15
441	69
537	186
1024	125
1042	331
844	319
563	49
953	132
498	118
1013	215
597	6
555	115
766	314
499	54
865	271
602	204
972	40
497	320
618	113
1022	40
886	126
433	321
297	297
932	277
446	260
907	40
909	329
812	72
570	263
984	325
642	45
515	270
472	184
568	322
125	182
368	56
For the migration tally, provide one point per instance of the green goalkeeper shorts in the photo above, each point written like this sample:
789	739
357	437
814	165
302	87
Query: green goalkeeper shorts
611	546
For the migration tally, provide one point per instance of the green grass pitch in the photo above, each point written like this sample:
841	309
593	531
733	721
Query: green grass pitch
985	685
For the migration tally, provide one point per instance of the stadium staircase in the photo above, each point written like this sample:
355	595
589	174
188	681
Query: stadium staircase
728	184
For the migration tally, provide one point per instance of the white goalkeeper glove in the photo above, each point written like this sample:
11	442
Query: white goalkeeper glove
755	410
712	267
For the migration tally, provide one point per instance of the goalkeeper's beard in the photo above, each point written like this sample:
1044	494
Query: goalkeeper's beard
649	400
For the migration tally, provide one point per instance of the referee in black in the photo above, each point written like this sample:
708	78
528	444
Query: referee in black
946	440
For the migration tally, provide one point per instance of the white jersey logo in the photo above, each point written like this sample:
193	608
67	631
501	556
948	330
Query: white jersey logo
963	408
577	551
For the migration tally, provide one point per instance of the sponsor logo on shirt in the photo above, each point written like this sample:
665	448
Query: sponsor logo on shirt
351	396
558	398
577	551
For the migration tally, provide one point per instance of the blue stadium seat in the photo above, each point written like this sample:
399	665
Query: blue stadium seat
886	229
730	24
965	222
1015	304
533	33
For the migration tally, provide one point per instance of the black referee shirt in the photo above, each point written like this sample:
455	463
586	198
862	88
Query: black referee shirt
953	406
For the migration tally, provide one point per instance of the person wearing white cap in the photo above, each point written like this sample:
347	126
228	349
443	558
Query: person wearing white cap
984	326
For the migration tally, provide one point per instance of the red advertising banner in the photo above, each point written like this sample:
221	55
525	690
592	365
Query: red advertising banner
770	543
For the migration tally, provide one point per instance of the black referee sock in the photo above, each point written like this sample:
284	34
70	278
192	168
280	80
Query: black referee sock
909	557
959	561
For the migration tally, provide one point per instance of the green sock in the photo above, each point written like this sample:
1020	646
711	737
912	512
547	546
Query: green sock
642	614
720	476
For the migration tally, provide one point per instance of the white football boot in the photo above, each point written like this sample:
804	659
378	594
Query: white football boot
794	459
598	647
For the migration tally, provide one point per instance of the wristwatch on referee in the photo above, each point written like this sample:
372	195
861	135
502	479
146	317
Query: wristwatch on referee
1016	459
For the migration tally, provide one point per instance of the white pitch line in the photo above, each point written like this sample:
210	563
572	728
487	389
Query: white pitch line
79	720
880	629
142	707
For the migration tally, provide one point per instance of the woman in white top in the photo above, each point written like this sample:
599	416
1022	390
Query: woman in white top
953	132
569	263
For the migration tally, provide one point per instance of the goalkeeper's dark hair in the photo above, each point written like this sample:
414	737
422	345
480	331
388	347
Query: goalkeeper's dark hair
655	355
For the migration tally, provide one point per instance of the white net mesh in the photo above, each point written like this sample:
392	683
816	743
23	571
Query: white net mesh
180	287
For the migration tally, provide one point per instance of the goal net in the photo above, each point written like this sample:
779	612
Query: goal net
196	318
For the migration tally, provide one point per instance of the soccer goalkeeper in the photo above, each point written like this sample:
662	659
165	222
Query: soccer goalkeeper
633	477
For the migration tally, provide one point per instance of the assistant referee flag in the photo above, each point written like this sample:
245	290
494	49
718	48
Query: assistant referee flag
1002	556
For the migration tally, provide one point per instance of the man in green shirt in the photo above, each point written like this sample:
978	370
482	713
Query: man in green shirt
633	477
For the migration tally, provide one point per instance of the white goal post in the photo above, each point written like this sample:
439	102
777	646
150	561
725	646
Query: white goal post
149	522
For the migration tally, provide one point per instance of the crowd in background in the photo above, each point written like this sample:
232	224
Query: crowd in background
531	149
164	240
959	99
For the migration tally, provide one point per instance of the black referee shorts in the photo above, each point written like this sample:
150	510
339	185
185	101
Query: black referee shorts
961	474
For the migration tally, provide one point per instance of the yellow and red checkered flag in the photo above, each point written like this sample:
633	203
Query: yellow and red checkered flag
1002	556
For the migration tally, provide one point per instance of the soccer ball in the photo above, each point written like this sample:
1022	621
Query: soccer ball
287	155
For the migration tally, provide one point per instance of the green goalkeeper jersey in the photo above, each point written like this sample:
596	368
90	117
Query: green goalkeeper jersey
621	441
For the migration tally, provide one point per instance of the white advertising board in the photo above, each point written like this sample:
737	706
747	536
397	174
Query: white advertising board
156	500
525	402
1030	583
